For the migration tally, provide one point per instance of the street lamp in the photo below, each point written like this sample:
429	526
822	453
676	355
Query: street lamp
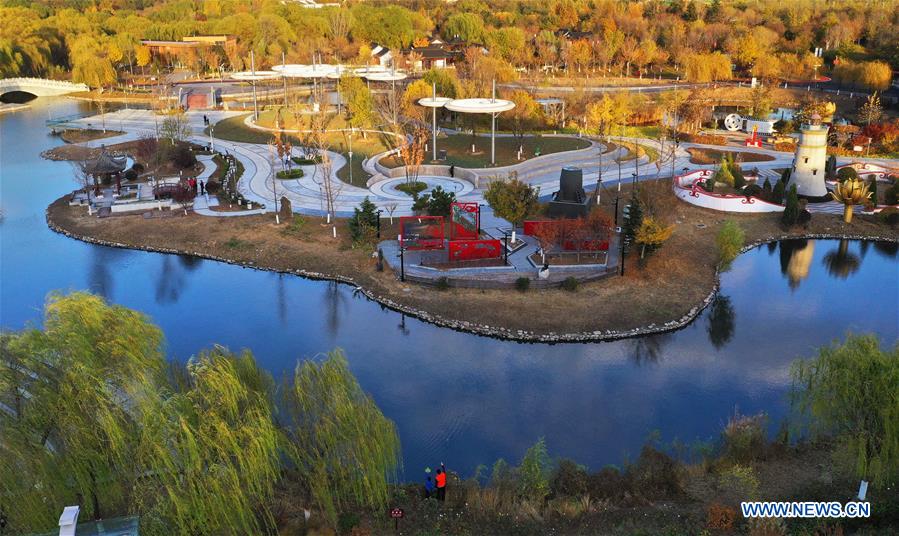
352	132
379	223
402	259
506	248
211	139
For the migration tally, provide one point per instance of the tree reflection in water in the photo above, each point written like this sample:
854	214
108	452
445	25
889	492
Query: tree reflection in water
190	262
840	262
887	249
721	323
649	349
100	280
170	281
335	301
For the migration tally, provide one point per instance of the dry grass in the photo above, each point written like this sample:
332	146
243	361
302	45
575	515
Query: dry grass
678	277
711	156
81	135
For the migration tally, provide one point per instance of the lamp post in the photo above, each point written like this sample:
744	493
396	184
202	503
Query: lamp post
402	260
379	223
616	211
350	163
621	130
493	128
283	63
506	248
434	123
211	138
253	71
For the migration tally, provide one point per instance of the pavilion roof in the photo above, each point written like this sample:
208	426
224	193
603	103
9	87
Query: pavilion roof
104	163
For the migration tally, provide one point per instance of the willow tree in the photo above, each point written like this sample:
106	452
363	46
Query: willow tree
85	379
343	446
850	392
211	450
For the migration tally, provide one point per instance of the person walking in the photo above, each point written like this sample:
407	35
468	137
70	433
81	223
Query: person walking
441	482
452	170
202	187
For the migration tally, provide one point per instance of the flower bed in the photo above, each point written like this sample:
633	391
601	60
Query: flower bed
288	174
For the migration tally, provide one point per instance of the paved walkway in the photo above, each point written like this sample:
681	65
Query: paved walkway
307	195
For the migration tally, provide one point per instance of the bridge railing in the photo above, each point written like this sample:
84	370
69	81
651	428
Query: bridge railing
41	82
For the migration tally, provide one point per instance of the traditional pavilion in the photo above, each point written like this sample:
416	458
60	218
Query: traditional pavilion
104	166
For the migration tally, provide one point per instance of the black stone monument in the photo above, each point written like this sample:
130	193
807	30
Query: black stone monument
570	201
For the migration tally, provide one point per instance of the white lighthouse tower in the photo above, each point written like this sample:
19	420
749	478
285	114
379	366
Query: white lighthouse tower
811	156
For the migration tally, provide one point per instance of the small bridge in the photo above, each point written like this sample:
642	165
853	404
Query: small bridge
40	87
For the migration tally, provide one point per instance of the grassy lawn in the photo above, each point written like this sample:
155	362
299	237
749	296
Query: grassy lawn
711	156
234	129
649	131
458	148
644	150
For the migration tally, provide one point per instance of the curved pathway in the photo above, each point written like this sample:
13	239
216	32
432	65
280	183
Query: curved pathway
306	194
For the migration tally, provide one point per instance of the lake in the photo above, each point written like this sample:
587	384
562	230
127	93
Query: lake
455	397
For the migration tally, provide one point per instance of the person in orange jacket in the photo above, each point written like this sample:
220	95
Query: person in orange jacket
441	482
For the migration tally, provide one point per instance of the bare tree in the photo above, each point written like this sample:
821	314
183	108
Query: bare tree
83	179
387	106
411	150
320	144
391	208
175	127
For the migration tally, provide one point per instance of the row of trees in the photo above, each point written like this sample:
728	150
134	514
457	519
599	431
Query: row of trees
91	413
767	39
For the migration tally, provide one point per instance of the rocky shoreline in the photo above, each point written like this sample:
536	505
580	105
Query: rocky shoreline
471	327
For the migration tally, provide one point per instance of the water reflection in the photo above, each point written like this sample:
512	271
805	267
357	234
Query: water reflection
170	280
887	249
458	397
190	262
796	260
648	350
103	261
721	322
402	325
840	262
334	303
863	248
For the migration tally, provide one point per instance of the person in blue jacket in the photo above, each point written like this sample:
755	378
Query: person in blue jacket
429	483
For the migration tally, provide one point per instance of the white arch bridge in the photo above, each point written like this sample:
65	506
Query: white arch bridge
40	87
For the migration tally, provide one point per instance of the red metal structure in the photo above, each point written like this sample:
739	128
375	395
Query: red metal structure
421	232
464	221
466	250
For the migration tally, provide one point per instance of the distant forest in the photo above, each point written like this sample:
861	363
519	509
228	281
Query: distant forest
96	41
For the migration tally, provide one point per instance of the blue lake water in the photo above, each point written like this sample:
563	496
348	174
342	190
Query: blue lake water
455	397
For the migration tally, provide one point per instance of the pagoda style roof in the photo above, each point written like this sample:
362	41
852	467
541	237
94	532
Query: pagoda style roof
104	163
